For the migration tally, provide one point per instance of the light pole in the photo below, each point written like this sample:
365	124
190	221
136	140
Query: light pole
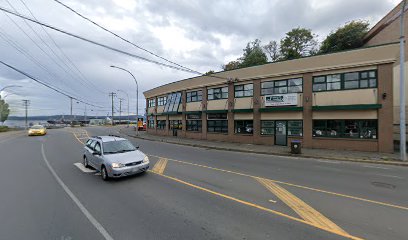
9	86
137	97
403	154
127	95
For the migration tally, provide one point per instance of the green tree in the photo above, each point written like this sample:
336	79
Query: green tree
4	110
252	56
209	72
272	49
346	37
299	42
231	65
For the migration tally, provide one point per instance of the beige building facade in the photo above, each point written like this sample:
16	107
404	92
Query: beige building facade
345	100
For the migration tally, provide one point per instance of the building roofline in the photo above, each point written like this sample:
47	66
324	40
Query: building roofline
277	62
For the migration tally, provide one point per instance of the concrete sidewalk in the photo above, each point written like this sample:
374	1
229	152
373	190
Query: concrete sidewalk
342	155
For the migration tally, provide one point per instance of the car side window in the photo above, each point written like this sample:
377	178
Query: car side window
98	147
92	146
88	143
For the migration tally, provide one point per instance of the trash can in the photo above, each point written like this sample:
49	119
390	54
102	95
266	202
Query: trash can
295	147
175	132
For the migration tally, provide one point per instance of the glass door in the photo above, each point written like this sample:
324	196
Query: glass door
281	133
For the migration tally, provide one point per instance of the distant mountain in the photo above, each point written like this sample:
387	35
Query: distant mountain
68	117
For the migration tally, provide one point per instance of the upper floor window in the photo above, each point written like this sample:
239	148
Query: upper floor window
245	90
161	101
151	102
194	96
217	93
342	81
294	85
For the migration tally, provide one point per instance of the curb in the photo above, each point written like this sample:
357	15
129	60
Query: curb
393	163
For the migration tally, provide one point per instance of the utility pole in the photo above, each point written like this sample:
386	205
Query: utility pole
120	109
26	103
403	141
71	107
112	95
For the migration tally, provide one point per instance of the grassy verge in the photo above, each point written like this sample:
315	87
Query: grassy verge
4	129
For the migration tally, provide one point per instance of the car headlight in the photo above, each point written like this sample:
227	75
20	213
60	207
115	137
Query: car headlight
117	165
146	159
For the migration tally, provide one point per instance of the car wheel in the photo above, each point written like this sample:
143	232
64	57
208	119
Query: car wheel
86	162
104	174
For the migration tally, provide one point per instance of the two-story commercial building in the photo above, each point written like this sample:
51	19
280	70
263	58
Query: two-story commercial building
344	100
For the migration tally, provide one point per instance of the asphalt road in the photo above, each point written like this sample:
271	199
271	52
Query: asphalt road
193	193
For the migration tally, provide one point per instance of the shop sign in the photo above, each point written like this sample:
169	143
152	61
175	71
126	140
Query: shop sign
281	100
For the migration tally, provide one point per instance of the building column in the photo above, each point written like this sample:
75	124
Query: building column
183	115
204	114
230	114
256	104
307	110
385	113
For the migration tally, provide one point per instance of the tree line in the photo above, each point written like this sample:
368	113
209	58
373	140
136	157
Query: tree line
300	42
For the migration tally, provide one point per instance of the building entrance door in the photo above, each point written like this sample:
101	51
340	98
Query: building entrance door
281	133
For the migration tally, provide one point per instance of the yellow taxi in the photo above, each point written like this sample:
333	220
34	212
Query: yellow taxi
37	130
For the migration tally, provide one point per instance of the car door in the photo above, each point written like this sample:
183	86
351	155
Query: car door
88	150
91	158
97	158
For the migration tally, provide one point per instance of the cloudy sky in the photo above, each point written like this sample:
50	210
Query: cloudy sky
198	34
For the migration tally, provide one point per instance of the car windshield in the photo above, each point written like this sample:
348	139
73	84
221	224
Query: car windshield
37	127
118	147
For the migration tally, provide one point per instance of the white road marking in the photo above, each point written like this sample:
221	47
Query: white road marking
272	201
81	207
83	168
391	176
328	161
369	166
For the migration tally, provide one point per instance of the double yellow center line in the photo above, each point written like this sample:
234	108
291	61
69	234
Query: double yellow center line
160	166
305	211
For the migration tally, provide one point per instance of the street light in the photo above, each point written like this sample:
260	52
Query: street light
127	95
9	86
137	97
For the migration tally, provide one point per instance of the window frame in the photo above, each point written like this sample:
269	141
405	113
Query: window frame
245	92
217	121
151	102
197	94
340	131
245	123
161	101
160	125
217	90
286	85
361	78
269	128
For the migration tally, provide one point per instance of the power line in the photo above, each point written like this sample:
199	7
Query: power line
62	52
118	36
47	85
96	43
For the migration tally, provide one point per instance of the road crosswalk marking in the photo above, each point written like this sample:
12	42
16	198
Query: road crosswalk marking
304	210
83	168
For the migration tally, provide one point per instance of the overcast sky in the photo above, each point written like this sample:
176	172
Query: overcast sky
201	35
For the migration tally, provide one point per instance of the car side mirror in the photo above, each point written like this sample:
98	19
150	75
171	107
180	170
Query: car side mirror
137	147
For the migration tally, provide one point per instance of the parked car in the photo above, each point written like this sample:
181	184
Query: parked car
114	157
37	130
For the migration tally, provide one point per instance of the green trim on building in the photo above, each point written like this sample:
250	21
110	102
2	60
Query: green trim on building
171	113
247	110
347	107
281	109
192	112
216	111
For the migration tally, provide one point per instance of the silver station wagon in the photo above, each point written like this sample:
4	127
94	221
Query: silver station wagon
114	157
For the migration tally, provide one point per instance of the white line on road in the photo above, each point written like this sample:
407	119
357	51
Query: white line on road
328	161
369	166
83	168
391	176
87	214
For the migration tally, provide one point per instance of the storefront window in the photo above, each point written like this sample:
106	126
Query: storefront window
175	124
244	127
193	122
295	128
150	123
161	124
364	129
267	127
217	123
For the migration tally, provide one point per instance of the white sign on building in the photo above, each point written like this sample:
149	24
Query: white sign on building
281	100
